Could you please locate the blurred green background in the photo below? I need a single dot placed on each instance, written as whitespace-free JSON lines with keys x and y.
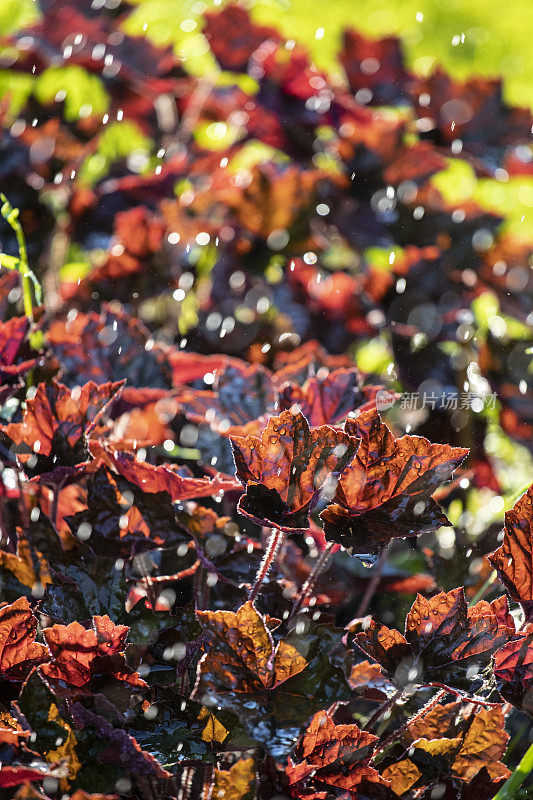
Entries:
{"x":488,"y":37}
{"x":468,"y":37}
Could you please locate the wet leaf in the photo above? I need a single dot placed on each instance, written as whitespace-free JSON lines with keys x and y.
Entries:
{"x":386,"y":490}
{"x":445,"y":642}
{"x":78,"y":654}
{"x":513,"y":558}
{"x":335,"y":755}
{"x":19,"y":650}
{"x":289,"y":470}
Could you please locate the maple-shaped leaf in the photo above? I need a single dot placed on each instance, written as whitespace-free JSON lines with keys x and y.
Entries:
{"x":139,"y":59}
{"x":249,"y":657}
{"x":289,"y":469}
{"x":78,"y":654}
{"x":469,"y":743}
{"x":513,"y":669}
{"x":474,"y":110}
{"x":108,"y":346}
{"x":272,"y":684}
{"x":176,"y":482}
{"x":445,"y":641}
{"x":514,"y":558}
{"x":483,"y":745}
{"x":386,"y":490}
{"x":335,"y":755}
{"x":19,"y":651}
{"x":305,"y":362}
{"x":84,"y":585}
{"x":482,"y":733}
{"x":239,"y":395}
{"x":55,"y":423}
{"x":326,"y":400}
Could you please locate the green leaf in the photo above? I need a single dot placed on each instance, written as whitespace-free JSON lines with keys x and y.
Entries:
{"x":85,"y":95}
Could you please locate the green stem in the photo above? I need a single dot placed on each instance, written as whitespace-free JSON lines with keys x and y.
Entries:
{"x":11,"y":216}
{"x":484,"y":589}
{"x":515,"y":781}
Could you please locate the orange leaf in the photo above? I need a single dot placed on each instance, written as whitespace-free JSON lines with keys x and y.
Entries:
{"x":19,"y":651}
{"x":514,"y":559}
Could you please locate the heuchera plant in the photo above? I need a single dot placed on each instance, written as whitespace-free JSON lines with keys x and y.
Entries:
{"x":234,"y":561}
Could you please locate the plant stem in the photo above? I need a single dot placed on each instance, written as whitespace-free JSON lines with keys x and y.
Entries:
{"x":397,"y":733}
{"x":378,"y":713}
{"x":276,"y":538}
{"x":10,"y":214}
{"x":479,"y":595}
{"x":515,"y":781}
{"x":308,"y":586}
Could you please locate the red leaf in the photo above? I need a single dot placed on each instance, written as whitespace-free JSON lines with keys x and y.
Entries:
{"x":445,"y":641}
{"x":305,"y":361}
{"x":162,"y":478}
{"x":15,"y":774}
{"x":188,"y":367}
{"x":513,"y":668}
{"x":243,"y":657}
{"x":233,"y":37}
{"x":240,"y":395}
{"x":386,"y":490}
{"x":514,"y":558}
{"x":327,"y":399}
{"x":12,"y":335}
{"x":59,"y":417}
{"x":473,"y":111}
{"x":375,"y":65}
{"x":19,"y":651}
{"x":334,"y":755}
{"x":107,"y":346}
{"x":289,"y":469}
{"x":368,"y":680}
{"x":79,"y":654}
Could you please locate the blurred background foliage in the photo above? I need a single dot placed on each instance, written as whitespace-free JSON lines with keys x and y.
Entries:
{"x":487,"y":38}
